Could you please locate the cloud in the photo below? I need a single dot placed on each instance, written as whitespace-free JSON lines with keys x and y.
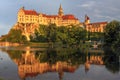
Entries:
{"x":106,"y":10}
{"x":87,"y":4}
{"x":102,"y":16}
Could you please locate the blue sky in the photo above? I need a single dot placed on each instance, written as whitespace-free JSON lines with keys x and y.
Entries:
{"x":97,"y":10}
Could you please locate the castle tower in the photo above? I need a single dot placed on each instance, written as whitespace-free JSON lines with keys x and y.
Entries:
{"x":60,"y":12}
{"x":87,"y":19}
{"x":22,"y":8}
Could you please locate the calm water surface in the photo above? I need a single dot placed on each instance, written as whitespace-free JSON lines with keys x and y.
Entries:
{"x":56,"y":64}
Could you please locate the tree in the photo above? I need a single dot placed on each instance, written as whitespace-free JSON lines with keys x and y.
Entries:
{"x":51,"y":33}
{"x":96,"y":36}
{"x":15,"y":36}
{"x":112,"y":35}
{"x":62,"y":34}
{"x":76,"y":34}
{"x":40,"y":34}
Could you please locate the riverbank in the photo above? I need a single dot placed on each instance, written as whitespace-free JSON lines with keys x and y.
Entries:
{"x":82,"y":46}
{"x":5,"y":44}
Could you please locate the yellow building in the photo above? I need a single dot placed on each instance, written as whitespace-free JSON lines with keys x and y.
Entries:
{"x":94,"y":27}
{"x":31,"y":16}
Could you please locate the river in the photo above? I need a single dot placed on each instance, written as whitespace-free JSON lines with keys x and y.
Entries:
{"x":28,"y":63}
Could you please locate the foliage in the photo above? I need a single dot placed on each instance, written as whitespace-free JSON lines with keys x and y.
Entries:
{"x":62,"y":34}
{"x":52,"y":56}
{"x":112,"y":35}
{"x":15,"y":36}
{"x":15,"y":54}
{"x":96,"y":36}
{"x":111,"y":61}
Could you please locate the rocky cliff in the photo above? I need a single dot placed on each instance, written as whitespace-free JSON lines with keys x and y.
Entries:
{"x":27,"y":29}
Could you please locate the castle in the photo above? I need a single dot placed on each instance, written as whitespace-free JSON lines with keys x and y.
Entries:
{"x":29,"y":20}
{"x":31,"y":16}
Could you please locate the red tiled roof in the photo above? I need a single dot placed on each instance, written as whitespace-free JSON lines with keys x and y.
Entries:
{"x":52,"y":16}
{"x":65,"y":17}
{"x":98,"y":23}
{"x":69,"y":16}
{"x":30,"y":12}
{"x":31,"y":74}
{"x":44,"y":15}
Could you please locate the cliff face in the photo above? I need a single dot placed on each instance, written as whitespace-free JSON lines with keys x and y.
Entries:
{"x":27,"y":29}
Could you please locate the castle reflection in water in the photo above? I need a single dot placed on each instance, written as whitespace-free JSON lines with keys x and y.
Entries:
{"x":30,"y":66}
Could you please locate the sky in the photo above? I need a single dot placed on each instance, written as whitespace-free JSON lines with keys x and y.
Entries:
{"x":97,"y":10}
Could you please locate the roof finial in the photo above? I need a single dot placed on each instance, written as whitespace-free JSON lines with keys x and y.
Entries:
{"x":60,"y":12}
{"x":86,"y":17}
{"x":60,"y":6}
{"x":23,"y":8}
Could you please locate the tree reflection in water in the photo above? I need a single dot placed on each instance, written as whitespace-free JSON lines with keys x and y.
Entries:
{"x":32,"y":63}
{"x":111,"y":61}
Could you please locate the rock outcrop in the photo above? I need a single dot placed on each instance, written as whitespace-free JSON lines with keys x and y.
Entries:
{"x":26,"y":28}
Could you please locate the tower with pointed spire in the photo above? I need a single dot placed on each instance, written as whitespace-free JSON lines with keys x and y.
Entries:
{"x":60,"y":12}
{"x":87,"y":19}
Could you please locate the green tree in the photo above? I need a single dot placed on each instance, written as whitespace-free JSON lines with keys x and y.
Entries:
{"x":112,"y":35}
{"x":76,"y":34}
{"x":51,"y":33}
{"x":96,"y":36}
{"x":40,"y":34}
{"x":62,"y":34}
{"x":15,"y":36}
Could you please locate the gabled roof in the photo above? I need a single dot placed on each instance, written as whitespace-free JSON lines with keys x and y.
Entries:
{"x":69,"y":16}
{"x":30,"y":12}
{"x":98,"y":23}
{"x":52,"y":16}
{"x":49,"y":16}
{"x":65,"y":17}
